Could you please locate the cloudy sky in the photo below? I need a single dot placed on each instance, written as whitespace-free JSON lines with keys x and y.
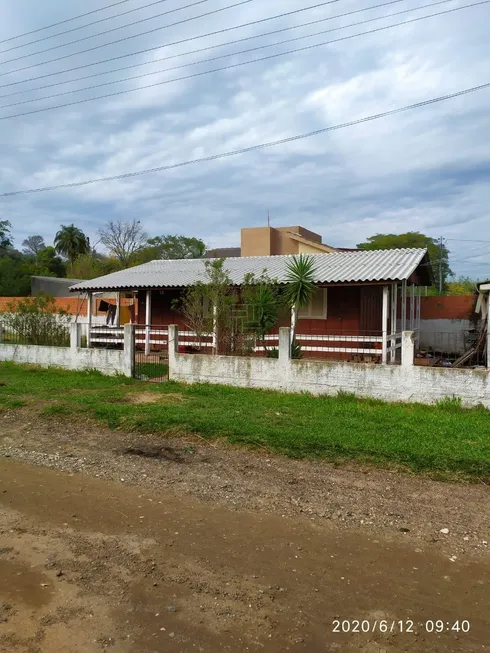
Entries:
{"x":425,"y":170}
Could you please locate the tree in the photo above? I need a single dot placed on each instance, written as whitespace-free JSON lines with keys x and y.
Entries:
{"x":300,"y":288}
{"x":48,"y":260}
{"x":263,"y":303}
{"x":70,"y":241}
{"x":5,"y":236}
{"x":177,"y":247}
{"x":414,"y":239}
{"x":123,"y":240}
{"x":207,"y":307}
{"x":33,"y":245}
{"x":461,"y":286}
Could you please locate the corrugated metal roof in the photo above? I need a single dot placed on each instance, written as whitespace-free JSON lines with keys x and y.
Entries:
{"x":338,"y":267}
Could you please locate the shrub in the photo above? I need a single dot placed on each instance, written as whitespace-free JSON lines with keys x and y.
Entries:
{"x":37,"y":321}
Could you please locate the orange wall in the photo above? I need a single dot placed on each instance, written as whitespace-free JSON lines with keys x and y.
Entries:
{"x":71,"y":305}
{"x":457,"y":307}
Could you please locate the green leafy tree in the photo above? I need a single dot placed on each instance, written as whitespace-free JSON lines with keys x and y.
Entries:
{"x":300,"y":288}
{"x":6,"y":242}
{"x":263,"y":304}
{"x":461,"y":286}
{"x":37,"y":321}
{"x":93,"y":265}
{"x":414,"y":239}
{"x":48,"y":261}
{"x":71,"y":242}
{"x":177,"y":247}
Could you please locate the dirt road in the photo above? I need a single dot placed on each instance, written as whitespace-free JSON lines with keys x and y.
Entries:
{"x":88,"y":565}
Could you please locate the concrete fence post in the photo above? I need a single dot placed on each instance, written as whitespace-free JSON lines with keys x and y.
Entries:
{"x":75,"y":335}
{"x":408,"y":348}
{"x":173,"y":347}
{"x":128,"y":362}
{"x":284,"y":345}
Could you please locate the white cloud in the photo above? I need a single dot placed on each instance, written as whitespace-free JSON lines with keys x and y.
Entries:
{"x":426,"y":170}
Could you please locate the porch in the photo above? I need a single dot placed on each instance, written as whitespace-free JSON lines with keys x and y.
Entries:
{"x":345,"y":322}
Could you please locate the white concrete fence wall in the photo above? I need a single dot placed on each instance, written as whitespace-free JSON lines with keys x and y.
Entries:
{"x":405,"y":382}
{"x":75,"y":357}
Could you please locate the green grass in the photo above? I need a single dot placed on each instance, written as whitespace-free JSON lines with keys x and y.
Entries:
{"x":446,"y":440}
{"x":151,"y":370}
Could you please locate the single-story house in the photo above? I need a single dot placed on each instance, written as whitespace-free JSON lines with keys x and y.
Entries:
{"x":354,"y":310}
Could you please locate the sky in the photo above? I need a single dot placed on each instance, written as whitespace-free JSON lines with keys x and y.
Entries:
{"x":424,"y":170}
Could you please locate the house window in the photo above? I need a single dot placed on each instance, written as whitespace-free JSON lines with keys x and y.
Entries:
{"x":317,"y":308}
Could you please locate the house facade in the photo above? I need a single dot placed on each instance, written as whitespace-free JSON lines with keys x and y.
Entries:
{"x":353,"y":314}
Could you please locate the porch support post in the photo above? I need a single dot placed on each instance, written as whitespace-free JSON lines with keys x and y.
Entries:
{"x":89,"y":319}
{"x":394,"y":300}
{"x":487,"y":296}
{"x":147,"y":322}
{"x":118,"y":309}
{"x":384,"y":323}
{"x":215,"y":329}
{"x":412,"y":307}
{"x":404,"y":305}
{"x":419,"y":300}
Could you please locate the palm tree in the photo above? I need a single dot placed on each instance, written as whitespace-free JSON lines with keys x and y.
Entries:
{"x":300,"y":279}
{"x":71,"y":242}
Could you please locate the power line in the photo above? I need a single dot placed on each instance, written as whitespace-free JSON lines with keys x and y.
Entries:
{"x":142,"y":20}
{"x":214,"y":70}
{"x":253,"y":148}
{"x":166,"y":45}
{"x":126,"y":38}
{"x":79,"y":27}
{"x":67,"y":20}
{"x":220,"y":45}
{"x":466,"y":240}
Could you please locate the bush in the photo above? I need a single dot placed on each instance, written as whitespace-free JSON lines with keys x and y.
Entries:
{"x":36,"y":321}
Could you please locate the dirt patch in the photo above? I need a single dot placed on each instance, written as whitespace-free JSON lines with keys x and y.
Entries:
{"x":96,"y":565}
{"x":154,"y":398}
{"x":353,"y":498}
{"x":162,"y":453}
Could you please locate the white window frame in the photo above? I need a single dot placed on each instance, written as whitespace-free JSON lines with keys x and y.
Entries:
{"x":305,"y":313}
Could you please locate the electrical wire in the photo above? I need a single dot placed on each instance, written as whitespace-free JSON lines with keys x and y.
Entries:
{"x":466,"y":240}
{"x":214,"y":70}
{"x":142,"y":20}
{"x":126,"y":38}
{"x":186,"y":40}
{"x":247,"y":38}
{"x":254,"y":148}
{"x":63,"y":22}
{"x":75,"y":29}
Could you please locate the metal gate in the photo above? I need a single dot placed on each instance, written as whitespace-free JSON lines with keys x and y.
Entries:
{"x":150,"y":347}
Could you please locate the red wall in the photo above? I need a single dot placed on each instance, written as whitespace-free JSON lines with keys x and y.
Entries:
{"x":457,"y":307}
{"x":343,"y":311}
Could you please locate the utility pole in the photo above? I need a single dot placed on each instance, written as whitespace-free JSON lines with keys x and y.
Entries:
{"x":268,"y":218}
{"x":441,"y":249}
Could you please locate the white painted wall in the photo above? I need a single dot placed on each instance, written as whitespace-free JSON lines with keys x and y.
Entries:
{"x":107,"y":361}
{"x":404,"y":382}
{"x":447,"y":335}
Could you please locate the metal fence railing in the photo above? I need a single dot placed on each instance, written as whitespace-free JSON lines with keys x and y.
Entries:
{"x":351,"y":346}
{"x":26,"y":331}
{"x":446,"y":348}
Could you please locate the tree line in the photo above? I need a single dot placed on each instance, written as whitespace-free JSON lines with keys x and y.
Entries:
{"x":127,"y":244}
{"x":72,"y":255}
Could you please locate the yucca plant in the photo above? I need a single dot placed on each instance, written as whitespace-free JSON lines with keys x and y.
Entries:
{"x":300,"y":288}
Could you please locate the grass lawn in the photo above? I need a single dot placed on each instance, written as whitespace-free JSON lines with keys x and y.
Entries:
{"x":445,"y":440}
